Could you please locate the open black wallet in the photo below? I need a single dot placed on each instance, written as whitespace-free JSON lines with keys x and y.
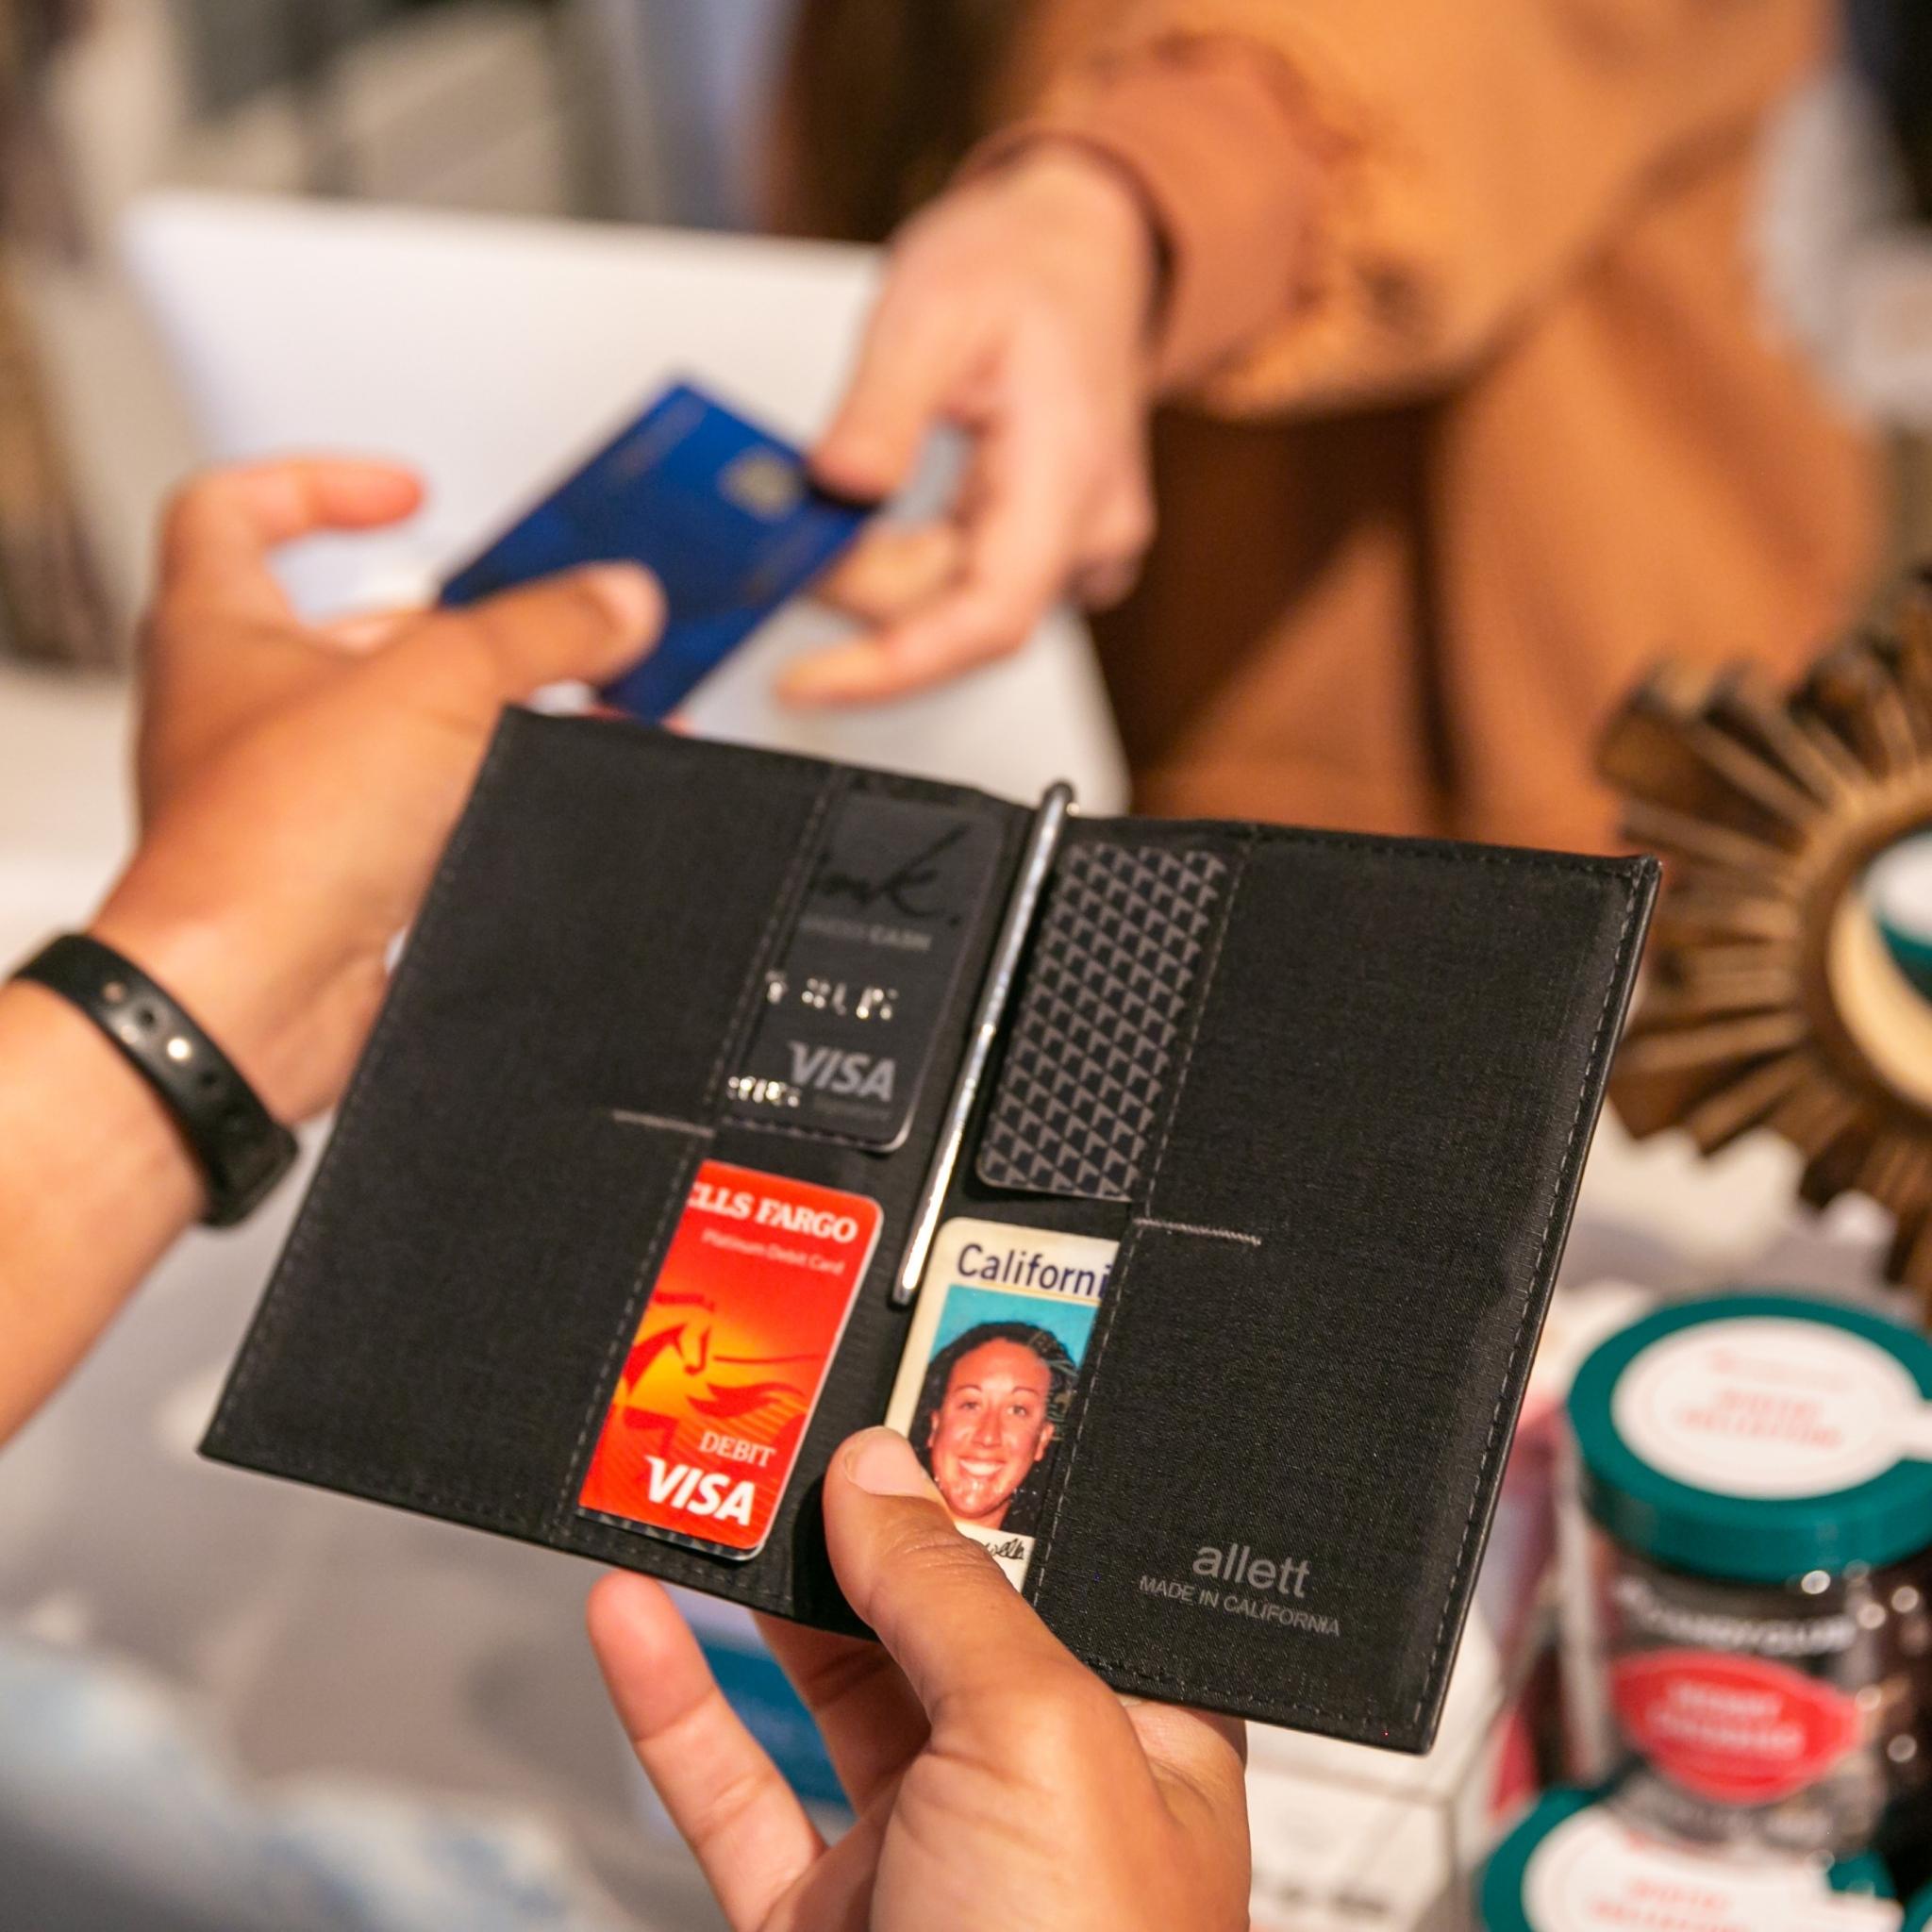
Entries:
{"x":1330,"y":1094}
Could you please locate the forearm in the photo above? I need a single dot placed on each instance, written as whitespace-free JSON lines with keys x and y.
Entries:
{"x":1435,"y":168}
{"x":94,"y":1185}
{"x":96,"y":1181}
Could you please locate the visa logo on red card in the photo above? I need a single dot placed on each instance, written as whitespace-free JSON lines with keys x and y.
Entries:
{"x":729,"y":1356}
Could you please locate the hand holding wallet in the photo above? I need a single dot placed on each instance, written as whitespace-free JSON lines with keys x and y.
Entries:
{"x":1241,"y":1265}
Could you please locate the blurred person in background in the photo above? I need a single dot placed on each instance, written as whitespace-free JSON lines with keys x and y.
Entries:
{"x":1410,"y":353}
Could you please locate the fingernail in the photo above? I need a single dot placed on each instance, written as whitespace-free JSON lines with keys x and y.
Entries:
{"x":825,"y":679}
{"x":881,"y":1462}
{"x":627,"y":593}
{"x":808,"y":690}
{"x":853,"y":463}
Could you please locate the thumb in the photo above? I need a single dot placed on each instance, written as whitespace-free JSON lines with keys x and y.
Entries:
{"x":912,"y":357}
{"x":586,"y":624}
{"x":963,"y":1635}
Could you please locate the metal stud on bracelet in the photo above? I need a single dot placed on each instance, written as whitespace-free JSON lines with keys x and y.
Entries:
{"x":240,"y":1148}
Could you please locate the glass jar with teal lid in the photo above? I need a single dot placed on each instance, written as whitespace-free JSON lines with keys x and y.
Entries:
{"x":1758,"y":1469}
{"x":1577,"y":1864}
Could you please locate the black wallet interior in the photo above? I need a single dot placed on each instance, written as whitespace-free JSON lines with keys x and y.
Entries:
{"x":1330,"y":1093}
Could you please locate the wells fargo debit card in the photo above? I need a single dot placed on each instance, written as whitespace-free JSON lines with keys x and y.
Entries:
{"x":730,"y":1354}
{"x":852,"y":1009}
{"x":721,"y":511}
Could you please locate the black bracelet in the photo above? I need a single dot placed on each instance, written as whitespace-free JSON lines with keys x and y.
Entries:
{"x":242,"y":1149}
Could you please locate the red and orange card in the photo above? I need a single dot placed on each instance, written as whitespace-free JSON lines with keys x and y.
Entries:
{"x":729,"y":1357}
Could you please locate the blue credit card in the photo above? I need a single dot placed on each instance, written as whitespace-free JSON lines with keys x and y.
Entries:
{"x":721,"y":511}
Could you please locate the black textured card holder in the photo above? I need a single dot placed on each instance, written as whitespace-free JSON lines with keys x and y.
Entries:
{"x":1093,"y":1044}
{"x":1331,"y":1095}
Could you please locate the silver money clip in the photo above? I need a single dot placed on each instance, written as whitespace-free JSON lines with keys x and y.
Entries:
{"x":1036,"y":864}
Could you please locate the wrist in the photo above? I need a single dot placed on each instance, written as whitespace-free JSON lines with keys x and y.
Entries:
{"x":1098,"y":200}
{"x":1232,"y":171}
{"x":256,"y":1007}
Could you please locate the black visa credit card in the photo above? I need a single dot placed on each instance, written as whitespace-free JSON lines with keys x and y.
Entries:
{"x":845,"y":1036}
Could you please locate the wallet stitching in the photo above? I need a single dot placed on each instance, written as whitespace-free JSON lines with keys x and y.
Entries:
{"x":660,"y":1122}
{"x":1442,"y":852}
{"x":782,"y":908}
{"x":615,"y":1534}
{"x":644,"y":1277}
{"x":1345,"y":1725}
{"x":650,"y":1259}
{"x":1536,"y":1271}
{"x":1181,"y":1686}
{"x":1204,"y":1233}
{"x":1130,"y":1246}
{"x":434,"y":906}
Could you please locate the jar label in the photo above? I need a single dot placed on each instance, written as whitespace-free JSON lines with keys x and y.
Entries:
{"x":1734,"y":1729}
{"x":1770,"y":1405}
{"x":1593,"y":1873}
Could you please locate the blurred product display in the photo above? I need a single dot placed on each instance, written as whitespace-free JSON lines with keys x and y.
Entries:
{"x":1346,"y":1838}
{"x":1758,"y":1588}
{"x":1575,"y":1865}
{"x":1773,"y":999}
{"x":1748,"y":1533}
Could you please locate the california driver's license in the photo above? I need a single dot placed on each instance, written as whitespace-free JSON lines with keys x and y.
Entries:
{"x":994,"y":1351}
{"x":729,"y":1356}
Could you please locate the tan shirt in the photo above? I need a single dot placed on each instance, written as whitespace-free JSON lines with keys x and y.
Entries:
{"x":1499,"y":422}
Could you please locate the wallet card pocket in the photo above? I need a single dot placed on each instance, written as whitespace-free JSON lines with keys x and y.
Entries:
{"x":1092,"y":1051}
{"x":440,"y":1364}
{"x":850,"y":1010}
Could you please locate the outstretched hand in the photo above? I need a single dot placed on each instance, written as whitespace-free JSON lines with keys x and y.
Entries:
{"x":297,"y":780}
{"x":1018,"y":309}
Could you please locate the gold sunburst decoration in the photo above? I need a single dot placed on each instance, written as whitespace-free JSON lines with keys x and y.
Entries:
{"x":1773,"y":999}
